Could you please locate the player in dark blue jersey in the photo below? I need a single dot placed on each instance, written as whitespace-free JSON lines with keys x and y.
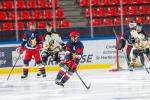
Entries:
{"x":32,"y":43}
{"x":74,"y":51}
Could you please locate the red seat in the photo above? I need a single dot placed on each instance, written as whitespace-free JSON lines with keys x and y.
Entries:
{"x":88,"y":12}
{"x":111,"y":11}
{"x":115,"y":2}
{"x":146,"y":1}
{"x":126,"y":2}
{"x":132,"y":10}
{"x":25,"y":15}
{"x":8,"y":4}
{"x":1,"y":6}
{"x":20,"y":26}
{"x":124,"y":11}
{"x":100,"y":12}
{"x":65,"y":24}
{"x":48,"y":14}
{"x":107,"y":22}
{"x":137,"y":1}
{"x":147,"y":20}
{"x":143,"y":10}
{"x":31,"y":4}
{"x":56,"y":23}
{"x":42,"y":4}
{"x":128,"y":20}
{"x":96,"y":22}
{"x":117,"y":21}
{"x":60,"y":14}
{"x":3,"y":16}
{"x":12,"y":15}
{"x":7,"y":26}
{"x":20,"y":4}
{"x":140,"y":20}
{"x":95,"y":3}
{"x":42,"y":25}
{"x":56,"y":4}
{"x":37,"y":14}
{"x":105,"y":2}
{"x":84,"y":3}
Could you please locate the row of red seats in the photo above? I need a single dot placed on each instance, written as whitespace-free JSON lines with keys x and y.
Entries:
{"x":33,"y":14}
{"x":115,"y":11}
{"x":40,"y":25}
{"x":21,"y":4}
{"x":117,"y":21}
{"x":111,"y":2}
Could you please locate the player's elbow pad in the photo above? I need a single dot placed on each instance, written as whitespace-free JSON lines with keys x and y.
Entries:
{"x":121,"y":44}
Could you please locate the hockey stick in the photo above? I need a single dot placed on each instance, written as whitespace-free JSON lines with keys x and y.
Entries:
{"x":145,"y":66}
{"x":87,"y":87}
{"x":13,"y":66}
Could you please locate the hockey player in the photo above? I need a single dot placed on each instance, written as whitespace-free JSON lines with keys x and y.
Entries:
{"x":141,"y":46}
{"x":74,"y":51}
{"x":32,"y":43}
{"x":52,"y":45}
{"x":128,"y":36}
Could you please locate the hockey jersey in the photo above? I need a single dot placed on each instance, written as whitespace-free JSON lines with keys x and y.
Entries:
{"x":32,"y":39}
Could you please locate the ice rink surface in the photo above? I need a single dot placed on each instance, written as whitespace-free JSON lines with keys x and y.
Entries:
{"x":122,"y":85}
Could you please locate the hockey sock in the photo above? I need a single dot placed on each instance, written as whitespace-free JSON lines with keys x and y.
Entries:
{"x":60,"y":75}
{"x":65,"y":78}
{"x":42,"y":70}
{"x":25,"y":71}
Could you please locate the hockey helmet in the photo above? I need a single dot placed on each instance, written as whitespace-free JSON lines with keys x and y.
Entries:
{"x":132,"y":24}
{"x":74,"y":34}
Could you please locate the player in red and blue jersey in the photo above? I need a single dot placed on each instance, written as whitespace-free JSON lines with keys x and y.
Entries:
{"x":32,"y":43}
{"x":74,"y":51}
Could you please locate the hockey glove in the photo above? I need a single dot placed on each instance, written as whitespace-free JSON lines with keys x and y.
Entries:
{"x":121,"y":44}
{"x":21,"y":49}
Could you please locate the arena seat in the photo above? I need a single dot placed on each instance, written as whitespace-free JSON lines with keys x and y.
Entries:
{"x":9,"y":4}
{"x":96,"y":22}
{"x":42,"y":4}
{"x":124,"y":11}
{"x":105,"y":2}
{"x":84,"y":3}
{"x":95,"y":2}
{"x":7,"y":26}
{"x":128,"y":20}
{"x":100,"y":12}
{"x":147,"y":20}
{"x":115,"y":2}
{"x":21,"y":26}
{"x":60,"y":13}
{"x":132,"y":10}
{"x":3,"y":16}
{"x":48,"y":14}
{"x":20,"y":4}
{"x":65,"y":24}
{"x":107,"y":22}
{"x":137,"y":1}
{"x":1,"y":5}
{"x":88,"y":12}
{"x":57,"y":24}
{"x":143,"y":10}
{"x":31,"y":4}
{"x":51,"y":4}
{"x":37,"y":14}
{"x":41,"y":25}
{"x":12,"y":15}
{"x":25,"y":15}
{"x":140,"y":20}
{"x":117,"y":21}
{"x":111,"y":11}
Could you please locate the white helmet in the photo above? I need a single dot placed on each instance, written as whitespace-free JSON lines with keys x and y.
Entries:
{"x":132,"y":24}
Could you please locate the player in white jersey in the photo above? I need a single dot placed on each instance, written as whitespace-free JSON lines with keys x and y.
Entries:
{"x":52,"y":45}
{"x":141,"y":45}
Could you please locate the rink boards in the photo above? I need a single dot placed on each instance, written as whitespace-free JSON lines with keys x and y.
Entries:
{"x":98,"y":54}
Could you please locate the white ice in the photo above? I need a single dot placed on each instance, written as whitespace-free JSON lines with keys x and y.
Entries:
{"x":122,"y":85}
